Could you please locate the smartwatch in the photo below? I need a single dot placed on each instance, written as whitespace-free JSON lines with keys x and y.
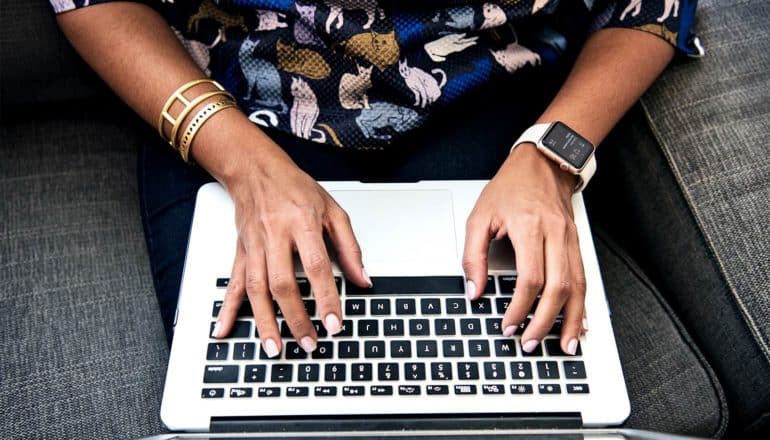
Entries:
{"x":561,"y":144}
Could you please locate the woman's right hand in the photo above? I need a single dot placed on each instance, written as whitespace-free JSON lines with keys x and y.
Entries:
{"x":280,"y":210}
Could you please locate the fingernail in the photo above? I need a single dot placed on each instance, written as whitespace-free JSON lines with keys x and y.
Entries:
{"x":271,"y":348}
{"x":217,"y":329}
{"x":531,"y":345}
{"x":572,"y":347}
{"x":366,"y":277}
{"x":470,"y":290}
{"x":585,"y":325}
{"x":509,"y":331}
{"x":308,"y":344}
{"x":332,"y":324}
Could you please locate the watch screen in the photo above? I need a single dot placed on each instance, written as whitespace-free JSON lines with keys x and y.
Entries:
{"x":568,"y":145}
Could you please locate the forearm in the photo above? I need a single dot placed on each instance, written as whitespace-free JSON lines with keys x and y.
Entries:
{"x":614,"y":69}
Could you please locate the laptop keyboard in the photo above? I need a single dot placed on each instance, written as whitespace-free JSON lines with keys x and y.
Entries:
{"x":406,"y":336}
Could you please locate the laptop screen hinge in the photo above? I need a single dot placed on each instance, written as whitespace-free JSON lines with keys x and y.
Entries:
{"x":394,"y":422}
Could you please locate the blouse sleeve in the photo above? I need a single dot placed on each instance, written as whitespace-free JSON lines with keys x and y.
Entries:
{"x":60,"y":6}
{"x":671,"y":20}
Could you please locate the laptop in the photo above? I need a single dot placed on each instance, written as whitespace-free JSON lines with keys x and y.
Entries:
{"x":415,"y":355}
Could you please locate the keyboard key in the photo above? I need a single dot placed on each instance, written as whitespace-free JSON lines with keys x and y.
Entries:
{"x":393,"y":327}
{"x":547,"y":370}
{"x":405,"y":307}
{"x":556,"y":328}
{"x":216,"y":309}
{"x":521,"y":389}
{"x":507,"y":283}
{"x":297,"y":391}
{"x":441,"y":371}
{"x":374,"y":349}
{"x":470,"y":326}
{"x":355,"y":307}
{"x":574,"y":370}
{"x":223,"y":282}
{"x":440,"y":390}
{"x":381,"y":390}
{"x":419,"y":327}
{"x":467,"y":370}
{"x":368,"y":327}
{"x":338,"y":282}
{"x":537,"y":352}
{"x":577,"y":388}
{"x":409,"y":390}
{"x":325,"y":391}
{"x":452,"y":348}
{"x":324,"y":350}
{"x":241,"y":329}
{"x":285,"y":330}
{"x":502,"y":304}
{"x":281,"y":372}
{"x":353,"y":391}
{"x":400,"y":349}
{"x":361,"y":372}
{"x":534,"y":305}
{"x":254,"y":373}
{"x":307,"y":372}
{"x":494,"y":326}
{"x":427,"y":349}
{"x":244,"y":351}
{"x":430,"y":306}
{"x":505,"y":347}
{"x":294,"y":351}
{"x":478,"y":348}
{"x":212,"y":393}
{"x":455,"y":306}
{"x":334,"y":373}
{"x":220,"y":374}
{"x":521,"y":370}
{"x":380,"y":307}
{"x":490,"y":287}
{"x":414,"y":371}
{"x":549,"y":388}
{"x":239,"y":393}
{"x":493,"y":389}
{"x":445,"y":327}
{"x":304,"y":286}
{"x":387,"y":371}
{"x":481,"y":306}
{"x":263,"y":355}
{"x":494,"y":370}
{"x":465,"y":389}
{"x":217,"y":351}
{"x":347,"y":328}
{"x":347,"y":349}
{"x":310,"y":307}
{"x":429,"y":285}
{"x":553,"y":348}
{"x":319,"y":328}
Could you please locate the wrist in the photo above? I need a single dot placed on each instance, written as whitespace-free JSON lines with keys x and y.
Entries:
{"x":529,"y":156}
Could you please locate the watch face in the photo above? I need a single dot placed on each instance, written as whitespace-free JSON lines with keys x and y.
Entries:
{"x":568,"y":145}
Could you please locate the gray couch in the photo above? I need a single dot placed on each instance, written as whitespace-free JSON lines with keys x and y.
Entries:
{"x":83,"y":351}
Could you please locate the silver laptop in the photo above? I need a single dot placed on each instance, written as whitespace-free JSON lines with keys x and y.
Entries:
{"x":414,"y":353}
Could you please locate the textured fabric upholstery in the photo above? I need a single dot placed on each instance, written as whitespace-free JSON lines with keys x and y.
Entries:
{"x":83,"y":352}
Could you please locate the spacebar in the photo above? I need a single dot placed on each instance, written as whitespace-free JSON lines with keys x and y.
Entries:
{"x":438,"y":285}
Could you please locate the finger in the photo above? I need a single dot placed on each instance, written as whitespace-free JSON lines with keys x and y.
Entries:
{"x":574,"y":309}
{"x":260,"y":300}
{"x":283,"y":287}
{"x":318,"y":268}
{"x":233,"y":296}
{"x":558,"y":287}
{"x":527,"y":241}
{"x":475,"y":254}
{"x":347,"y":248}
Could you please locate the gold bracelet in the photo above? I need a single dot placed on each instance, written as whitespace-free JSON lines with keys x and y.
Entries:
{"x":192,"y":128}
{"x":184,"y":113}
{"x":178,"y":95}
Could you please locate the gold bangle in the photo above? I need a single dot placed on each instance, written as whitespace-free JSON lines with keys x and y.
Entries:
{"x":178,"y":95}
{"x":184,"y":113}
{"x":192,"y":128}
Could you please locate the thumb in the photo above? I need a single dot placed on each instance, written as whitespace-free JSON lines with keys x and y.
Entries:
{"x":475,"y":257}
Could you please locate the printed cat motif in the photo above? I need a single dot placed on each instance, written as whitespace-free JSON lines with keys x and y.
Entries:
{"x":494,"y":16}
{"x":379,"y":49}
{"x":661,"y":31}
{"x":425,"y":87}
{"x":270,"y":20}
{"x":304,"y":111}
{"x":438,"y":50}
{"x":376,"y":121}
{"x":460,"y":18}
{"x":515,"y":56}
{"x":305,"y":62}
{"x":353,"y":88}
{"x":671,"y":6}
{"x":263,"y":80}
{"x":63,"y":5}
{"x":304,"y":26}
{"x":634,"y":8}
{"x":337,"y":7}
{"x":225,"y":20}
{"x":538,"y":5}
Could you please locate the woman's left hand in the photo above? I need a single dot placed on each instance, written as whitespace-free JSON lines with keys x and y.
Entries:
{"x":529,"y":200}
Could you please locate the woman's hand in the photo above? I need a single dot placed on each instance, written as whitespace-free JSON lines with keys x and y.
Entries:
{"x":529,"y":201}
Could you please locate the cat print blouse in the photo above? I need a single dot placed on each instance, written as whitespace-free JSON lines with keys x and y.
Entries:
{"x":357,"y":73}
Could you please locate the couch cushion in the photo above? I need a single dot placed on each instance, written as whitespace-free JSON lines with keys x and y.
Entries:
{"x":83,"y":351}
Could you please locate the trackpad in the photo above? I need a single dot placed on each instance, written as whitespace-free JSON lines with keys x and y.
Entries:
{"x":406,"y":227}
